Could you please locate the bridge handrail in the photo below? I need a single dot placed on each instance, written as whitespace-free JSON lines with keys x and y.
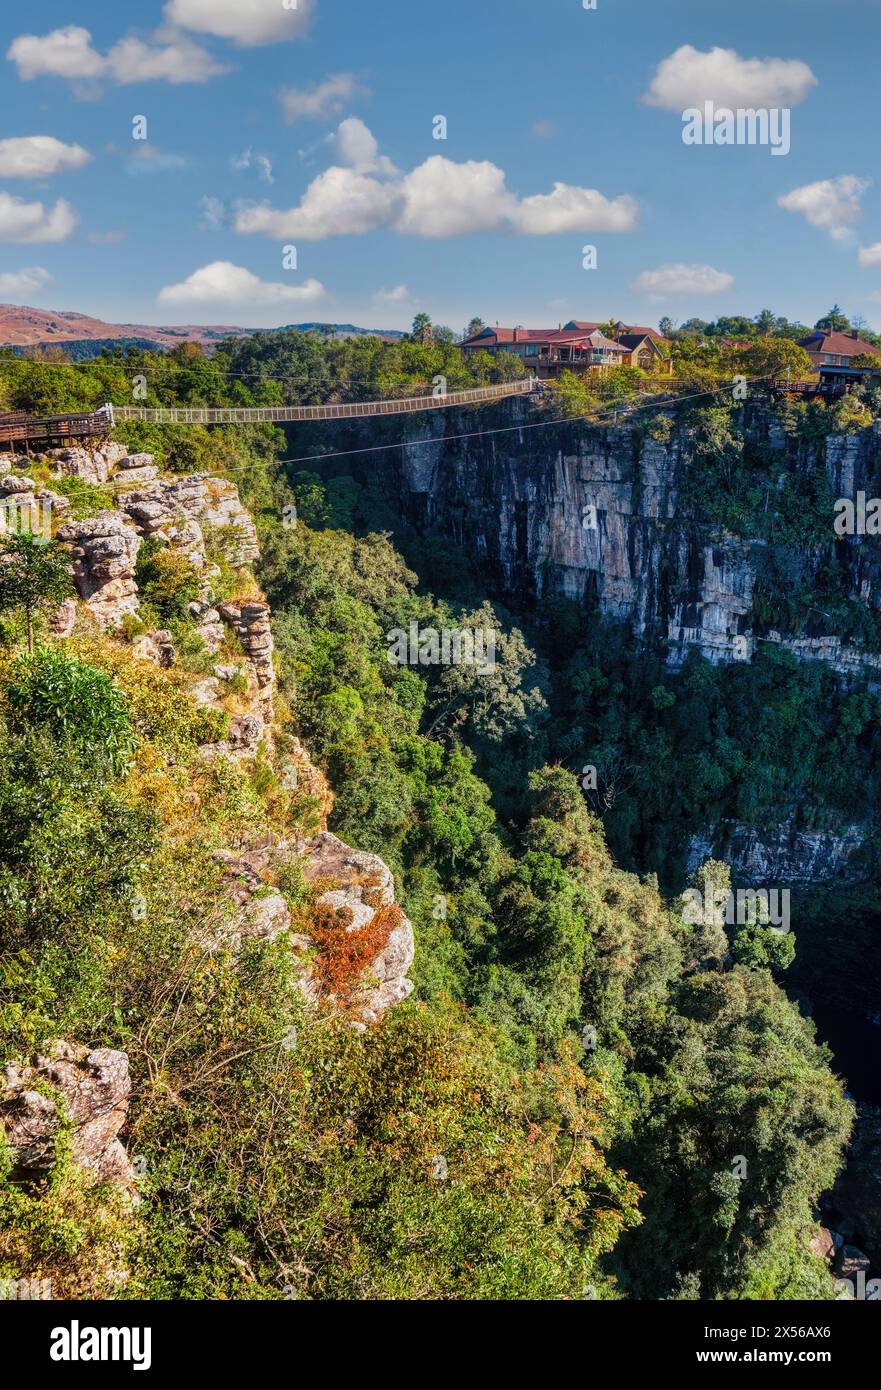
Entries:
{"x":244,"y":415}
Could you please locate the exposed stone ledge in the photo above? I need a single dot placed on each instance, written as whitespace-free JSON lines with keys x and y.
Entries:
{"x":95,"y":1087}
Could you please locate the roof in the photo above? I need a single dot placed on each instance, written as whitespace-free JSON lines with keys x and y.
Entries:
{"x":632,"y":340}
{"x":842,"y":344}
{"x":557,"y":336}
{"x":506,"y":335}
{"x":631,"y":328}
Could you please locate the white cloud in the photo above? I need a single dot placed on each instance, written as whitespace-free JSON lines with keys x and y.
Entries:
{"x":176,"y":60}
{"x":34,"y":222}
{"x":38,"y":156}
{"x":340,"y":202}
{"x":832,"y":204}
{"x":19,"y":283}
{"x":570,"y":209}
{"x":439,"y":198}
{"x":689,"y":77}
{"x":323,"y":99}
{"x":249,"y":159}
{"x":248,"y":22}
{"x":68,"y":53}
{"x":147,"y":159}
{"x":65,"y":52}
{"x":213,"y":214}
{"x":682,"y":279}
{"x":222,"y":283}
{"x":870,"y":255}
{"x":444,"y":199}
{"x":399,"y":295}
{"x":355,"y":145}
{"x":105,"y":238}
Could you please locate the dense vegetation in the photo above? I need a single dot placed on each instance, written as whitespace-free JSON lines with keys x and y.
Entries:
{"x":626,"y":1102}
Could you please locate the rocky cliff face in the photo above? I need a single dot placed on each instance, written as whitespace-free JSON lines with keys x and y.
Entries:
{"x":600,"y":515}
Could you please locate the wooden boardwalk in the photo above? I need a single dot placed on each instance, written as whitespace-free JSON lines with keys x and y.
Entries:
{"x":54,"y":429}
{"x":292,"y":414}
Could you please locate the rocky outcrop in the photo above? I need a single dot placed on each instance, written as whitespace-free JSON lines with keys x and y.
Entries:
{"x":366,"y":885}
{"x":92,"y":465}
{"x":785,"y":854}
{"x":89,"y":1089}
{"x":25,"y":506}
{"x":179,"y":508}
{"x":360,"y":885}
{"x":251,"y":624}
{"x":104,"y":550}
{"x":157,"y":647}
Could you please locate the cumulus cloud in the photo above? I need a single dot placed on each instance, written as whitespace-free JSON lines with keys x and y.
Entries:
{"x":20,"y":283}
{"x":340,"y":202}
{"x":34,"y":222}
{"x":870,"y":255}
{"x":355,"y":145}
{"x":399,"y":295}
{"x":689,"y":77}
{"x":38,"y":156}
{"x":443,"y":199}
{"x":570,"y":209}
{"x":177,"y":60}
{"x":222,"y":283}
{"x":320,"y":100}
{"x":439,"y":198}
{"x":248,"y":22}
{"x":831,"y":204}
{"x":682,"y":279}
{"x":68,"y":53}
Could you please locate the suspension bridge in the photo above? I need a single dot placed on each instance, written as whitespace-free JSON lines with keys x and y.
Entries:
{"x":25,"y":429}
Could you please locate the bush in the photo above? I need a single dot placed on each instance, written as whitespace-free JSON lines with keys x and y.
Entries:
{"x":75,"y":704}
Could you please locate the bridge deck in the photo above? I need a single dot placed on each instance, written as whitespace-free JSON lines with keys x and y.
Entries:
{"x":291,"y":414}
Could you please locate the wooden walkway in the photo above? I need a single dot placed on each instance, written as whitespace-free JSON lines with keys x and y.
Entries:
{"x":54,"y":429}
{"x":291,"y":414}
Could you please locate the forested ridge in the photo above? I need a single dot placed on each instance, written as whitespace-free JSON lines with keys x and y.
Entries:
{"x":587,"y":1094}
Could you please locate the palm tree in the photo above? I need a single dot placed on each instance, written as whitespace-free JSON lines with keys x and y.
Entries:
{"x":422,"y":330}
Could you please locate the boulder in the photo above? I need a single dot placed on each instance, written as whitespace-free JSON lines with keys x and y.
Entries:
{"x":157,"y":647}
{"x":94,"y":1085}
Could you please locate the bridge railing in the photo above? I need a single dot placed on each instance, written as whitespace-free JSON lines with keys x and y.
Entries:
{"x":289,"y":414}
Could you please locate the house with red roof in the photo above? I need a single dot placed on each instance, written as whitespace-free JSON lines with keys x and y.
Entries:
{"x":836,"y":349}
{"x":576,"y":346}
{"x":832,"y":355}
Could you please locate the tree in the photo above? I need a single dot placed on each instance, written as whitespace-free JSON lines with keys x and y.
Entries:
{"x":835,"y":321}
{"x":667,"y":327}
{"x":765,"y":322}
{"x":33,"y":573}
{"x":775,"y":356}
{"x":488,"y":691}
{"x":422,"y":329}
{"x":476,"y":326}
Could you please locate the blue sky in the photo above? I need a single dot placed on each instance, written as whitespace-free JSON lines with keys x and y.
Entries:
{"x":312,"y":126}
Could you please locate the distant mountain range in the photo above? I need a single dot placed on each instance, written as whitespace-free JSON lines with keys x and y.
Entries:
{"x":22,"y":327}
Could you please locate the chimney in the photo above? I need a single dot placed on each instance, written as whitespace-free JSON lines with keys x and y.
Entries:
{"x":516,"y":331}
